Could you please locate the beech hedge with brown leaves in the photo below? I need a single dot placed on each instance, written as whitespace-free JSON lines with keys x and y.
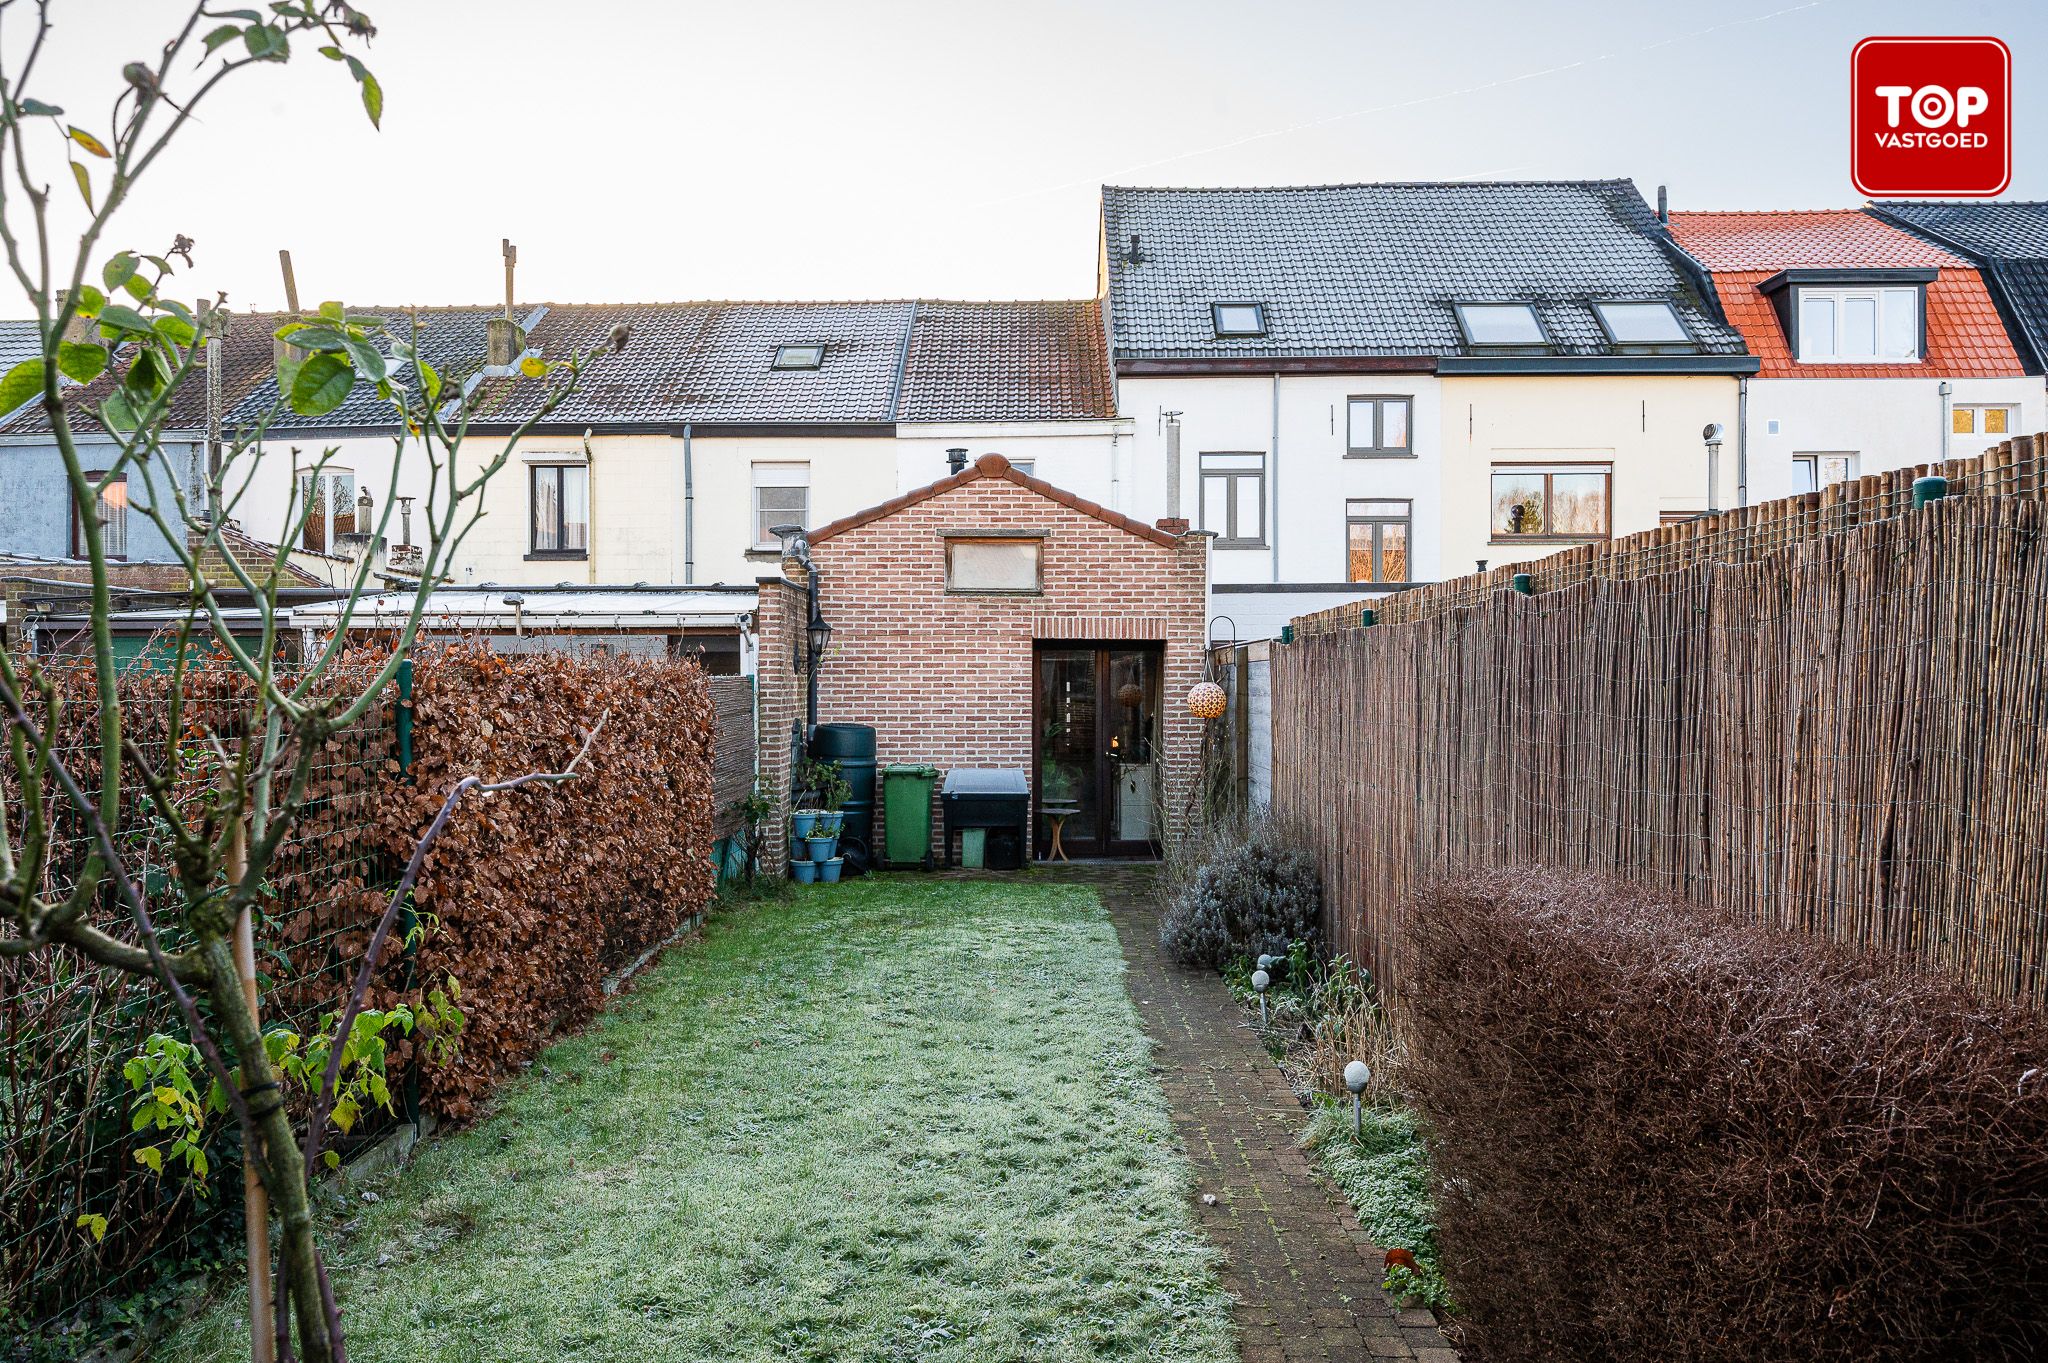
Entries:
{"x":532,"y":896}
{"x":1661,"y":1135}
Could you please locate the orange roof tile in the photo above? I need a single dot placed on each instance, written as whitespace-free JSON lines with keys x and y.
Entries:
{"x":1965,"y":336}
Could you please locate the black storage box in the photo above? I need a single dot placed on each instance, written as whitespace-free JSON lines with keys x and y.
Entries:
{"x":995,"y":798}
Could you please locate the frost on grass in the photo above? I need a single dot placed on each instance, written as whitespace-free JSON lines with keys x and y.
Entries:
{"x":1384,"y":1171}
{"x":895,"y":1120}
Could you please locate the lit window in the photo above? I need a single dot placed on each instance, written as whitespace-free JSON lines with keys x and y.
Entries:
{"x":799,"y":356}
{"x":993,"y":565}
{"x":112,"y":506}
{"x":1501,"y":324}
{"x":1379,"y":425}
{"x":782,"y":496}
{"x":1239,"y":319}
{"x":561,"y":509}
{"x":1981,"y":420}
{"x":1562,"y":501}
{"x":1642,"y":323}
{"x":328,"y":499}
{"x":1233,"y":499}
{"x":1859,"y":326}
{"x":1376,"y":541}
{"x":1812,"y":472}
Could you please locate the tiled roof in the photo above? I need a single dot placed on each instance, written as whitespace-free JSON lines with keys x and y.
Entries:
{"x":1965,"y":337}
{"x":1007,"y":362}
{"x":18,"y":341}
{"x":1828,"y":239}
{"x":993,"y":466}
{"x":710,"y":363}
{"x":2015,"y":230}
{"x":245,"y":363}
{"x":2010,"y":240}
{"x":1362,"y":270}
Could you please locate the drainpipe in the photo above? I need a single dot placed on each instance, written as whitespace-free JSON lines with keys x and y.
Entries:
{"x":689,"y":511}
{"x":1742,"y":441}
{"x":1273,"y":529}
{"x":1173,"y":465}
{"x":1116,"y":482}
{"x":1947,"y":417}
{"x":589,"y":510}
{"x":811,"y":576}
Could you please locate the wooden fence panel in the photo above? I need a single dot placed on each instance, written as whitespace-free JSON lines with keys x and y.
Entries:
{"x":1834,"y":724}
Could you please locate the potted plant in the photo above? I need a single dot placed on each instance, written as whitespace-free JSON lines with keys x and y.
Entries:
{"x":817,"y":820}
{"x":828,"y":870}
{"x":820,"y":843}
{"x":804,"y":871}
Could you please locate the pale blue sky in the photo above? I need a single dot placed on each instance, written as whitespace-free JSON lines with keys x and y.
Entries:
{"x":643,"y":149}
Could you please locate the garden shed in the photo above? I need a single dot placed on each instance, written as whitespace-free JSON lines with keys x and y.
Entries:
{"x":993,"y":620}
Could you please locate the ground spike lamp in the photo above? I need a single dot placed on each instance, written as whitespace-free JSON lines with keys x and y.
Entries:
{"x":1356,"y":1076}
{"x":1262,"y":981}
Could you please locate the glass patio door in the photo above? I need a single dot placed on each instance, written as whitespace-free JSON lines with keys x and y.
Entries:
{"x":1098,"y":777}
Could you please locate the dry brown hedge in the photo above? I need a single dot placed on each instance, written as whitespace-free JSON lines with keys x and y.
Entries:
{"x":1661,"y":1136}
{"x":539,"y":892}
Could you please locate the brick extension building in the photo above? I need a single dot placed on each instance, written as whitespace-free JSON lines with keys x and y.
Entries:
{"x":991,"y":619}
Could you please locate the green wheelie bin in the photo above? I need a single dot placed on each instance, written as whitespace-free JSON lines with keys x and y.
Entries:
{"x":907,"y":815}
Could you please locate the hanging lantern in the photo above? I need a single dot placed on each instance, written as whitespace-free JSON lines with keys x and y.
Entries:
{"x":1130,"y":695}
{"x":1206,"y":700}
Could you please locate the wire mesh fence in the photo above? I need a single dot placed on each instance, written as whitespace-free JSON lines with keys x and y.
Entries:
{"x":67,"y":1027}
{"x":1825,"y":714}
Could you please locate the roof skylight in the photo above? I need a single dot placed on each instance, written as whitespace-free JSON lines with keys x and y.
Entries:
{"x":1501,"y":324}
{"x":807,"y":356}
{"x":1642,"y":324}
{"x":1238,"y":319}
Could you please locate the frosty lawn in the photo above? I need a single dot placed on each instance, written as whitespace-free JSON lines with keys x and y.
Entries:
{"x":899,"y":1119}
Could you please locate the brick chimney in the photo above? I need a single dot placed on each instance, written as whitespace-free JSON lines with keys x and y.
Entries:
{"x":505,"y":339}
{"x":1173,"y":525}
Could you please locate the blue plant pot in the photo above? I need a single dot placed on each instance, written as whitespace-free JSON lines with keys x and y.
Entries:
{"x":821,"y":848}
{"x":828,"y":871}
{"x":801,"y":823}
{"x":805,"y":871}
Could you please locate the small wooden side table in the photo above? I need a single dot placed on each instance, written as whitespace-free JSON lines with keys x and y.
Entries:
{"x":1057,"y":816}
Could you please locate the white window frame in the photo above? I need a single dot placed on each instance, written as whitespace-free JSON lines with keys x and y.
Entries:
{"x":1884,"y":300}
{"x":1812,"y":459}
{"x":324,"y":474}
{"x":779,"y":474}
{"x":1975,"y":409}
{"x":970,"y":542}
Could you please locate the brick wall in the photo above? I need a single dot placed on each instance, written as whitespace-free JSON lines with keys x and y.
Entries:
{"x":778,"y":704}
{"x":948,"y":679}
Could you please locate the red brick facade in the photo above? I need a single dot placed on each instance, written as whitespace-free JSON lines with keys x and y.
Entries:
{"x":948,"y":678}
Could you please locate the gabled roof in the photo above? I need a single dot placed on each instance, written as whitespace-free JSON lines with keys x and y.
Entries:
{"x":18,"y":341}
{"x":710,"y":364}
{"x":2010,"y":241}
{"x":1965,"y":336}
{"x":245,"y":362}
{"x":1374,"y":269}
{"x":993,"y":466}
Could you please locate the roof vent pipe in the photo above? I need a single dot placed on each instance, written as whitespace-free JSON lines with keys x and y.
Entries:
{"x":1134,"y":256}
{"x":1663,"y":206}
{"x":956,"y":459}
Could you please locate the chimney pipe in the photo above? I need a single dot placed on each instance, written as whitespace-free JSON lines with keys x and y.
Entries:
{"x":1134,"y":255}
{"x":503,"y":338}
{"x":956,"y":460}
{"x":1173,"y":465}
{"x":1663,"y":206}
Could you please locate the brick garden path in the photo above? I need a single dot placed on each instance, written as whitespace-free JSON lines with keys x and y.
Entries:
{"x":1305,"y":1276}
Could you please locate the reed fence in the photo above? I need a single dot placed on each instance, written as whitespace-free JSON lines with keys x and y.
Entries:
{"x":1825,"y":713}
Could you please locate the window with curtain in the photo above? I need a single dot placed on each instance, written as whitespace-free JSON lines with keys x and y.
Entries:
{"x":782,"y":496}
{"x":112,"y":507}
{"x":561,"y":509}
{"x":328,"y":497}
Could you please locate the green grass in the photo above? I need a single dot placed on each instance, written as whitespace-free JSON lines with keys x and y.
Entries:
{"x":1384,"y":1171}
{"x":890,"y":1120}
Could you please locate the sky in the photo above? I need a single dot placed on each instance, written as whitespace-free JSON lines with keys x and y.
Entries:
{"x":661,"y":150}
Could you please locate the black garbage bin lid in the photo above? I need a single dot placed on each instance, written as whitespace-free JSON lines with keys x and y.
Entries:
{"x":985,"y":781}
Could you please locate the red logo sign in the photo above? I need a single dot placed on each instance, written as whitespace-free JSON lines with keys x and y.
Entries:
{"x":1930,"y":117}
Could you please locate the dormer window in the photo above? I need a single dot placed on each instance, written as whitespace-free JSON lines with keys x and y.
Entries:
{"x":1858,"y":326}
{"x":1642,"y":324}
{"x":1501,"y":324}
{"x":808,"y":356}
{"x":1238,"y":319}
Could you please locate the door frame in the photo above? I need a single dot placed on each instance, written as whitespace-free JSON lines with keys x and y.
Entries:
{"x":1105,"y":780}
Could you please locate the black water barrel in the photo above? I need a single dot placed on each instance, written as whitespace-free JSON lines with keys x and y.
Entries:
{"x":852,"y":746}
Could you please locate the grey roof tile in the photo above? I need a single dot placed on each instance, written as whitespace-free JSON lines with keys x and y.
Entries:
{"x":2010,"y":240}
{"x":18,"y":341}
{"x":1374,"y":269}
